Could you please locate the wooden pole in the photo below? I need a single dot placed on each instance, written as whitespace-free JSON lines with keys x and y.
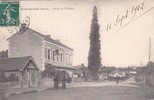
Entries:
{"x":149,"y":49}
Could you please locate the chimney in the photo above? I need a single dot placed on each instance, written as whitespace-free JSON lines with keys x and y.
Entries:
{"x":23,"y":27}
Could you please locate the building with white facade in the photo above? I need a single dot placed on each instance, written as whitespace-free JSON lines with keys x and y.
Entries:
{"x":42,"y":48}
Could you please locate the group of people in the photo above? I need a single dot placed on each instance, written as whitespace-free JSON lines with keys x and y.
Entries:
{"x":60,"y":78}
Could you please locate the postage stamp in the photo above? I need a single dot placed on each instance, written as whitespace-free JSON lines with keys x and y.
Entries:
{"x":9,"y":14}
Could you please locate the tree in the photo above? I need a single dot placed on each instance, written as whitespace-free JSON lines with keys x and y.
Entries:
{"x":94,"y":59}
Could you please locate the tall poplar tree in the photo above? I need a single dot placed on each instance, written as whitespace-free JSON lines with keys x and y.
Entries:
{"x":94,"y":58}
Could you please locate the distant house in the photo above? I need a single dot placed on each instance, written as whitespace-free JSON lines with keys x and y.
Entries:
{"x":20,"y":70}
{"x":81,"y":70}
{"x":42,"y":48}
{"x":105,"y":72}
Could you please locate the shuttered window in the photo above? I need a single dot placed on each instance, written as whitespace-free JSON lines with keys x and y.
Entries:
{"x":46,"y":53}
{"x":49,"y":53}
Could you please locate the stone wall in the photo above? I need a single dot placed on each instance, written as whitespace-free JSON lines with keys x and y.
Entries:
{"x":26,"y":44}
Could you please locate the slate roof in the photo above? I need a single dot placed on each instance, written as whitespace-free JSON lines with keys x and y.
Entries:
{"x":11,"y":64}
{"x":49,"y":39}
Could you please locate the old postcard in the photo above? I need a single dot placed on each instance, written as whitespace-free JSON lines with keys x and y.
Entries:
{"x":76,"y":49}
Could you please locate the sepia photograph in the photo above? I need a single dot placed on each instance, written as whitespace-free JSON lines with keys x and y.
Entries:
{"x":76,"y":50}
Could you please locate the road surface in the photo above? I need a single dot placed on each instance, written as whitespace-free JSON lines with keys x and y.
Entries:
{"x":110,"y":92}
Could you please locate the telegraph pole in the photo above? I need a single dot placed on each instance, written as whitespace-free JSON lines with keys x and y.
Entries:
{"x":149,"y":49}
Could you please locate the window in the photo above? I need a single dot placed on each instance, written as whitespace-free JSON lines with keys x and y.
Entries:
{"x":53,"y":55}
{"x":57,"y":58}
{"x":66,"y":59}
{"x":61,"y":57}
{"x":69,"y":59}
{"x":48,"y":53}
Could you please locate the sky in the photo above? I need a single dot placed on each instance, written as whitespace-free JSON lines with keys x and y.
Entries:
{"x":69,"y":21}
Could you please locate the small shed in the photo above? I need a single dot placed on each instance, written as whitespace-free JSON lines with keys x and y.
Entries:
{"x":21,"y":71}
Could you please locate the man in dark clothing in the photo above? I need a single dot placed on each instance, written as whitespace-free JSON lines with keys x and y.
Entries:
{"x":56,"y":81}
{"x":117,"y":79}
{"x":64,"y":80}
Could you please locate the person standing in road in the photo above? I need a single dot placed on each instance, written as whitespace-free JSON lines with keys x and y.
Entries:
{"x":56,"y":81}
{"x":64,"y":80}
